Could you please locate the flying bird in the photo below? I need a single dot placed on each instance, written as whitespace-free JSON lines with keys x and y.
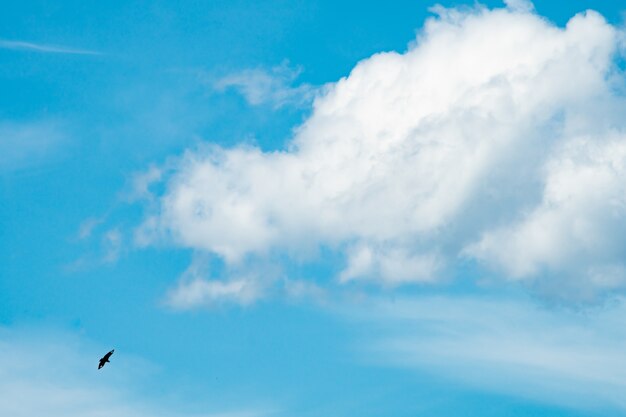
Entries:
{"x":105,"y":359}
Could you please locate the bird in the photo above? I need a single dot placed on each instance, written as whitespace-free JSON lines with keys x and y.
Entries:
{"x":105,"y":359}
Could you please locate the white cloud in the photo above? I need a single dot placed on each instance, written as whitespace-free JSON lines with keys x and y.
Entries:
{"x":509,"y":346}
{"x":461,"y":146}
{"x":201,"y":292}
{"x":38,"y":47}
{"x":274,"y":87}
{"x":578,"y":229}
{"x":197,"y":289}
{"x":393,"y":265}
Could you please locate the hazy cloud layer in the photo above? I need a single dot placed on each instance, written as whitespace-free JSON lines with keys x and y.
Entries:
{"x":496,"y":137}
{"x":510,"y":346}
{"x":57,"y":376}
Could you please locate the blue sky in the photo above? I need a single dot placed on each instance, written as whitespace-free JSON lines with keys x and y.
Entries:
{"x":312,"y":208}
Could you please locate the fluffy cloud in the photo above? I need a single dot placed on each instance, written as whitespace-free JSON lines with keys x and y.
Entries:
{"x":199,"y":286}
{"x":496,"y":136}
{"x":578,"y":228}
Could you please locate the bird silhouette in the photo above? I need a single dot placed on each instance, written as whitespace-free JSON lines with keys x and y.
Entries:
{"x":105,"y":359}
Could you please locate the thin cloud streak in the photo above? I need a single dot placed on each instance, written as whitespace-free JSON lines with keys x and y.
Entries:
{"x":508,"y":345}
{"x":51,"y":49}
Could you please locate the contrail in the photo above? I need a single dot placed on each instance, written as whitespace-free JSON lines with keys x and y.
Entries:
{"x":53,"y":49}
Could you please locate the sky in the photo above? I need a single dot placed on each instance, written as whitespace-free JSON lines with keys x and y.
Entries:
{"x":313,"y":208}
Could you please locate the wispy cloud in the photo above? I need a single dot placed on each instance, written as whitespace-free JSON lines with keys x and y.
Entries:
{"x":197,"y":288}
{"x":26,"y":144}
{"x":112,"y":244}
{"x":44,"y":48}
{"x":202,"y":292}
{"x":87,"y":227}
{"x":55,"y":375}
{"x":507,"y":345}
{"x":275,"y":86}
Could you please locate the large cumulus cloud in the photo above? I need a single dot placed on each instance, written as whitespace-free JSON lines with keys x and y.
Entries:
{"x":496,"y":137}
